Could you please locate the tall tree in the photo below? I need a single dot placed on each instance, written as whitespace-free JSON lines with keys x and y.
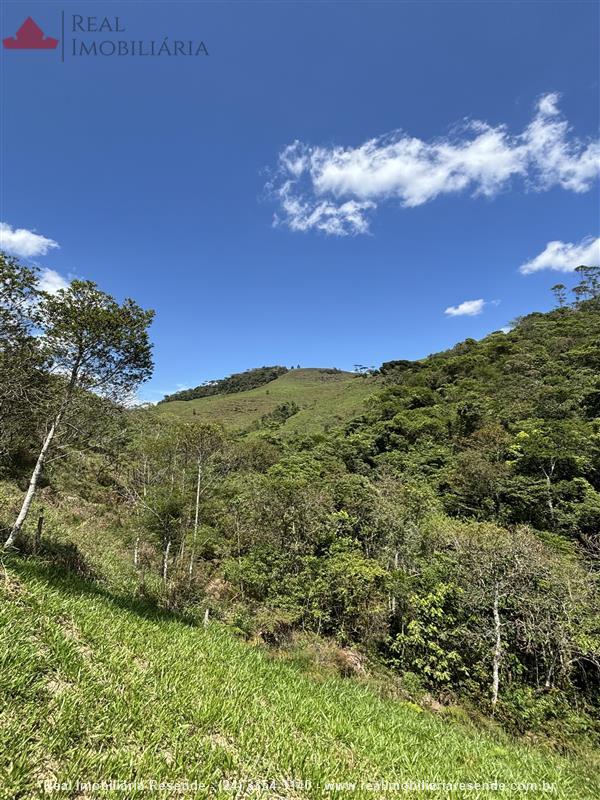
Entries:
{"x":18,"y":288}
{"x":559,"y":290}
{"x":588,"y":287}
{"x":95,"y":345}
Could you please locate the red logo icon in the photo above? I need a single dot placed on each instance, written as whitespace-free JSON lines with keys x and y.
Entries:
{"x":30,"y":37}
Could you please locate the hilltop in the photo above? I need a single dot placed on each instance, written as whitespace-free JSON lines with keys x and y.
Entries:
{"x":232,"y":384}
{"x":324,"y":397}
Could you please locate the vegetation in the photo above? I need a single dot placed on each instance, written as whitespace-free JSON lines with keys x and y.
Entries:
{"x":238,"y":382}
{"x":435,"y":550}
{"x":326,"y":398}
{"x":105,"y":687}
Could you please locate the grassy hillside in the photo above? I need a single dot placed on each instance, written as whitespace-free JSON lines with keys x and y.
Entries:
{"x":325,"y":398}
{"x":98,"y":686}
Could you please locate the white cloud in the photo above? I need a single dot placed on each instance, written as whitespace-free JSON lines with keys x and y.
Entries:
{"x":333,"y":188}
{"x":24,"y":243}
{"x":51,"y":281}
{"x":335,"y":219}
{"x":469,"y":308}
{"x":565,"y":256}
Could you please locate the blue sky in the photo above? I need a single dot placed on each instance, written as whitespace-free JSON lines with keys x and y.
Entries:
{"x":160,"y":177}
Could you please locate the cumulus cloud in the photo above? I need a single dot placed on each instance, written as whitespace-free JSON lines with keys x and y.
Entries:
{"x":565,"y":256}
{"x":334,"y":189}
{"x":51,"y":281}
{"x":468,"y":308}
{"x":24,"y":243}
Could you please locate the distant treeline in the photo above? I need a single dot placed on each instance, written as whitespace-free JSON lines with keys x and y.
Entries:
{"x":238,"y":382}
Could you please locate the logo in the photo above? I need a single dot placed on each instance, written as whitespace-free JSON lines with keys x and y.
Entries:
{"x":99,"y":37}
{"x":30,"y":37}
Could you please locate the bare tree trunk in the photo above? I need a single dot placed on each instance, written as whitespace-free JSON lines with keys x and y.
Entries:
{"x":33,"y":483}
{"x":548,"y":474}
{"x":239,"y":554}
{"x":497,"y":650}
{"x":393,"y":598}
{"x":166,"y":561}
{"x":196,"y":518}
{"x":548,"y":682}
{"x":39,"y":464}
{"x":136,"y":551}
{"x":549,"y":494}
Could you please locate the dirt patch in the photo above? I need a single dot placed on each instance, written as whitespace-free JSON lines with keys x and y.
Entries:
{"x":57,"y":686}
{"x":223,"y":742}
{"x":141,"y":664}
{"x":11,"y":586}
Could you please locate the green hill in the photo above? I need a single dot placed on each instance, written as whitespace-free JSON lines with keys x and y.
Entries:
{"x":325,"y":398}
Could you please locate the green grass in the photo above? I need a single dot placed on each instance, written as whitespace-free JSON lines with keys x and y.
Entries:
{"x":325,"y":399}
{"x":96,"y":686}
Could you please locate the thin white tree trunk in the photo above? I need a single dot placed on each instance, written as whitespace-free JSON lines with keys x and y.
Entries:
{"x":548,"y":683}
{"x":196,"y":519}
{"x":33,"y":483}
{"x":497,"y":650}
{"x":393,"y":598}
{"x":549,"y":474}
{"x":239,"y":552}
{"x":166,"y":561}
{"x":39,"y":464}
{"x":136,"y":551}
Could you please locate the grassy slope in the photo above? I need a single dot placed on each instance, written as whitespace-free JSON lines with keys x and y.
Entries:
{"x":95,"y":685}
{"x":325,"y":399}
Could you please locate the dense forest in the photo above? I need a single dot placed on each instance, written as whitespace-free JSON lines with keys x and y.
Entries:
{"x":238,"y":382}
{"x":449,"y":536}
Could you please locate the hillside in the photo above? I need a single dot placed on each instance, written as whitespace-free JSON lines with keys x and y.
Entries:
{"x":409,"y":594}
{"x":99,"y":686}
{"x":504,"y":428}
{"x":325,"y":398}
